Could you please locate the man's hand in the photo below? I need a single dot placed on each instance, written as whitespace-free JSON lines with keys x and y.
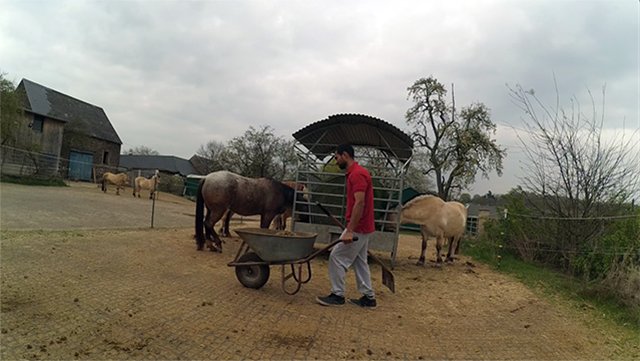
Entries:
{"x":347,"y":237}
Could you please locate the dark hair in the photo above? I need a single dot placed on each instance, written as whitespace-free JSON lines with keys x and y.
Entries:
{"x":345,"y":148}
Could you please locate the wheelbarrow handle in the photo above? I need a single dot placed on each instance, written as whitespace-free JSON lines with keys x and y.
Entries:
{"x":326,"y":211}
{"x":333,"y":219}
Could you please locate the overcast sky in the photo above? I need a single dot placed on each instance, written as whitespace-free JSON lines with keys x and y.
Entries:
{"x":173,"y":75}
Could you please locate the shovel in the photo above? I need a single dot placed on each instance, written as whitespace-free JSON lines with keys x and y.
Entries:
{"x":388,"y":279}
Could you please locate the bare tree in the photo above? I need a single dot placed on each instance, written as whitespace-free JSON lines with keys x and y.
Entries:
{"x":576,"y":171}
{"x":211,"y":156}
{"x":415,"y":175}
{"x":459,"y":145}
{"x":141,"y":150}
{"x":259,"y":153}
{"x":574,"y":178}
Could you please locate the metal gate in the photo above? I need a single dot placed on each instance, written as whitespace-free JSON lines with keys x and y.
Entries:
{"x":380,"y":147}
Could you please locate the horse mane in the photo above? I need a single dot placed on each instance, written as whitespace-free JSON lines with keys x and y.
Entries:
{"x":287,"y":191}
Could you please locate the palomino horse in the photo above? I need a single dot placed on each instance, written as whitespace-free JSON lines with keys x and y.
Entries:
{"x":150,"y":184}
{"x":438,"y":219}
{"x":120,"y":180}
{"x":221,"y":191}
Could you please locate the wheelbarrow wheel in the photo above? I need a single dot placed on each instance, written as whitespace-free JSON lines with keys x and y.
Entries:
{"x":254,"y":276}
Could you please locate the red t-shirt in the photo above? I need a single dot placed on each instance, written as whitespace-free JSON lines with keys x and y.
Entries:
{"x":359,"y":180}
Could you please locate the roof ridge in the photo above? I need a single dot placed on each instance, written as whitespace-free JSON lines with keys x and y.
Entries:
{"x":61,"y":93}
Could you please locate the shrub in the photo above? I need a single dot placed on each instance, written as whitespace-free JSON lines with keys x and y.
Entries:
{"x":33,"y":180}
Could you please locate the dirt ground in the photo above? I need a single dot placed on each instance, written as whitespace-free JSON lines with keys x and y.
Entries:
{"x":129,"y":292}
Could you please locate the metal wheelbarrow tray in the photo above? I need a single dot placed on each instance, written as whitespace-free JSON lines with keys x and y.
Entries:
{"x":262,"y":248}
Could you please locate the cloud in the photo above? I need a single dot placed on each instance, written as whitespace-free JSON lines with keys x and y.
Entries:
{"x":174,"y":75}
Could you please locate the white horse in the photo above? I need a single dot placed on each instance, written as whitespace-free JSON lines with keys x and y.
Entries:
{"x":150,"y":184}
{"x":438,"y":219}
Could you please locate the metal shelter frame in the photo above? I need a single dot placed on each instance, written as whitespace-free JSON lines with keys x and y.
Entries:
{"x":380,"y":147}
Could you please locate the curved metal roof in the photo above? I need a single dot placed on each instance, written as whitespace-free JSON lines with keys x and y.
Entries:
{"x":322,"y":137}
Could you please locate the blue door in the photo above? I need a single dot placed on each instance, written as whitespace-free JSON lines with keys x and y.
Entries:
{"x":80,"y":166}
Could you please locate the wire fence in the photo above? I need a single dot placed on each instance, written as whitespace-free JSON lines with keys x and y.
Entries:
{"x":577,"y":245}
{"x":27,"y":163}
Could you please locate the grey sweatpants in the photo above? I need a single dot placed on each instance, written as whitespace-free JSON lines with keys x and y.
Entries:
{"x":353,"y":254}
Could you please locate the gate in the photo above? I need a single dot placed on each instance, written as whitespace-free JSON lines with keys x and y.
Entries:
{"x":380,"y":147}
{"x":80,"y":165}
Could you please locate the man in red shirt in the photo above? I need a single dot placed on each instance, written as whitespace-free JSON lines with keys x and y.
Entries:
{"x":360,"y":223}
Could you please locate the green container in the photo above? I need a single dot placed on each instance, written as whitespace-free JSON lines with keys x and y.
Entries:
{"x":191,"y":185}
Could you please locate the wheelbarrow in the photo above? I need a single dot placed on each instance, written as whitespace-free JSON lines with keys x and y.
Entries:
{"x":262,"y":248}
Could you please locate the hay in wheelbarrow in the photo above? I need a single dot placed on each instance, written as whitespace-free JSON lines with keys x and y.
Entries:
{"x":278,"y":246}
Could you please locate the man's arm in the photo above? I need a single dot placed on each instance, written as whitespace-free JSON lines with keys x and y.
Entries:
{"x":356,"y":214}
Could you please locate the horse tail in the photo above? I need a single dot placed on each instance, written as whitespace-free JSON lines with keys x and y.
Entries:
{"x":200,"y":216}
{"x":104,"y":185}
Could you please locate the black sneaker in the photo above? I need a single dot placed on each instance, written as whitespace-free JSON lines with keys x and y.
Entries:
{"x":365,"y":302}
{"x":331,"y":300}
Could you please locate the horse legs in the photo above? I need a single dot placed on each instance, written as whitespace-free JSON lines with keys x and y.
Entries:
{"x":424,"y":247}
{"x":224,"y":228}
{"x":439,"y":241}
{"x":453,"y":251}
{"x":210,"y":220}
{"x":118,"y":190}
{"x":457,"y":251}
{"x":265,"y":219}
{"x":277,"y":222}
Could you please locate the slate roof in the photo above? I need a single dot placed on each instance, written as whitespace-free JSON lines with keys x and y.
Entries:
{"x":87,"y":118}
{"x":475,"y":209}
{"x":164,"y":163}
{"x":323,"y":136}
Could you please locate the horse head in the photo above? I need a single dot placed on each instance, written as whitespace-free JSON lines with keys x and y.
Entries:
{"x":301,"y":202}
{"x":303,"y":208}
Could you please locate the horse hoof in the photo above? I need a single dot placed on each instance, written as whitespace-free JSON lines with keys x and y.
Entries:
{"x":420,"y":263}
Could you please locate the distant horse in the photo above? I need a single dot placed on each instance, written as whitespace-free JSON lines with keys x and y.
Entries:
{"x":120,"y":180}
{"x":438,"y":219}
{"x":222,"y":191}
{"x":150,"y":184}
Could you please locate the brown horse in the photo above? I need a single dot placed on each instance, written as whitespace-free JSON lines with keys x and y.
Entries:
{"x":222,"y":191}
{"x":120,"y":180}
{"x":438,"y":219}
{"x":150,"y":184}
{"x":280,"y":221}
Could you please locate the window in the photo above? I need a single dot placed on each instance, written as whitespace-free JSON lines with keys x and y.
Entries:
{"x":38,"y":121}
{"x":472,"y":225}
{"x":105,"y":157}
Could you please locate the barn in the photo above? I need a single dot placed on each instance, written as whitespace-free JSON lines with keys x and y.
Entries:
{"x":62,"y":135}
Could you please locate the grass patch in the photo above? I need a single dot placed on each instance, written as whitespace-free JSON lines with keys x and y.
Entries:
{"x":553,"y":284}
{"x":33,"y":181}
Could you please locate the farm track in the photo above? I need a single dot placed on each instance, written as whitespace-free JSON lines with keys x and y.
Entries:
{"x":83,"y":277}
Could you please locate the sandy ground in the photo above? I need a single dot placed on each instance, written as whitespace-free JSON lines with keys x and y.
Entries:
{"x":125,"y":291}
